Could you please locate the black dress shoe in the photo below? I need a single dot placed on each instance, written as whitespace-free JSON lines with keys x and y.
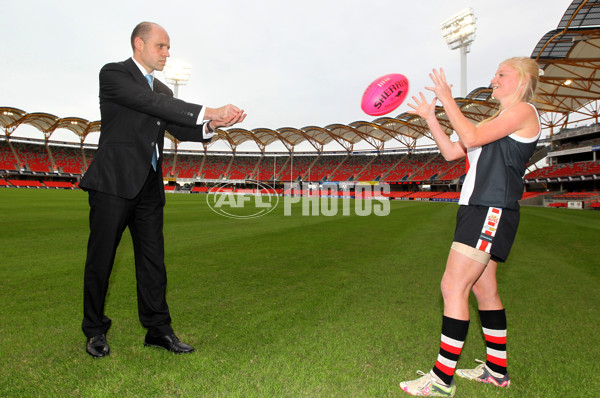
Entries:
{"x":97,"y":346}
{"x":169,"y":342}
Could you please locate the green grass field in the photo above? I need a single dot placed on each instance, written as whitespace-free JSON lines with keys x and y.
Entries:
{"x":290,"y":306}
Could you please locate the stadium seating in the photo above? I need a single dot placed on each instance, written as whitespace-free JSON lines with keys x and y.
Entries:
{"x":399,"y":194}
{"x":408,"y":166}
{"x":325,"y":166}
{"x":350,"y":167}
{"x":452,"y":170}
{"x":269,"y":166}
{"x":58,"y":184}
{"x":214,"y":167}
{"x":7,"y":158}
{"x":297,"y":167}
{"x":188,"y":166}
{"x":399,"y":168}
{"x":88,"y":157}
{"x":313,"y":168}
{"x":528,"y":195}
{"x":448,"y":196}
{"x":242,"y":167}
{"x":430,"y":169}
{"x":34,"y":157}
{"x":587,"y":198}
{"x":378,"y":167}
{"x":67,"y":159}
{"x":576,"y":195}
{"x":422,"y":195}
{"x":565,"y":170}
{"x":26,"y":183}
{"x":168,"y":165}
{"x":557,"y":204}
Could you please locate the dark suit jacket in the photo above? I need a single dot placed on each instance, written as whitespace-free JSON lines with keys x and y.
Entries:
{"x":134,"y":118}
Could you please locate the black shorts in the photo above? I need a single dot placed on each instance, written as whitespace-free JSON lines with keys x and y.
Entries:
{"x":489,"y":229}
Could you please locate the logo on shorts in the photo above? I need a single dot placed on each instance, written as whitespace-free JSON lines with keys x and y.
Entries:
{"x":493,"y":219}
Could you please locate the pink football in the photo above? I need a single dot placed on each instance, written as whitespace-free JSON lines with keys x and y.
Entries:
{"x":384,"y":94}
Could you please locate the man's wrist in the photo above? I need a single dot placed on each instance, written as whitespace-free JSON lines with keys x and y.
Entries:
{"x":208,"y":128}
{"x":208,"y":133}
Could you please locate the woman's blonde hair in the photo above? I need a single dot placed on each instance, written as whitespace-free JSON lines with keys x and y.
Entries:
{"x":529,"y":74}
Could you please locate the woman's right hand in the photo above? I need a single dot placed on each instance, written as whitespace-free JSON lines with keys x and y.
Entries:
{"x":422,"y":107}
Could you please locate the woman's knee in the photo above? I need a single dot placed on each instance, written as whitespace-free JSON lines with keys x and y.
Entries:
{"x":485,"y":292}
{"x":452,"y":288}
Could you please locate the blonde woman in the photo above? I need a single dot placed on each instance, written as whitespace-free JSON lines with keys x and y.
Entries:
{"x":497,"y":150}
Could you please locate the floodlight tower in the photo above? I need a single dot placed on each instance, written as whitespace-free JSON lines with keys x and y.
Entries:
{"x":177,"y":73}
{"x":459,"y":32}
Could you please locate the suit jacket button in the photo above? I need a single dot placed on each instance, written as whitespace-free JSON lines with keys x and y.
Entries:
{"x":158,"y":123}
{"x":152,"y":143}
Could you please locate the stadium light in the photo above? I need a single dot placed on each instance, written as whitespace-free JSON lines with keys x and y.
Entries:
{"x":177,"y":73}
{"x":459,"y":32}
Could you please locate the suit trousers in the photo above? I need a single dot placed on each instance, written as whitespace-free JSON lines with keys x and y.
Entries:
{"x":109,"y":216}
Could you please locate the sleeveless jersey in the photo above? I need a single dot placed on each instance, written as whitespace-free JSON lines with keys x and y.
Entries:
{"x":495,"y":171}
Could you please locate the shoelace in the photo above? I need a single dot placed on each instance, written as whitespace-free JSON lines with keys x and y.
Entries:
{"x":481,"y":367}
{"x":422,"y":381}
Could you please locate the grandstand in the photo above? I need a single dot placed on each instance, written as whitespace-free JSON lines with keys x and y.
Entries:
{"x":564,"y":172}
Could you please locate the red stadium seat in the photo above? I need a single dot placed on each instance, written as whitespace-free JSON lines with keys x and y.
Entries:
{"x":26,"y":183}
{"x":58,"y":184}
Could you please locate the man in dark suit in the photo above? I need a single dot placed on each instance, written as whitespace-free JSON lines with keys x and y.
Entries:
{"x":125,"y":185}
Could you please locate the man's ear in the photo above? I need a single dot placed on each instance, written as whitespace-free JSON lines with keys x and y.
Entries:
{"x":138,"y":43}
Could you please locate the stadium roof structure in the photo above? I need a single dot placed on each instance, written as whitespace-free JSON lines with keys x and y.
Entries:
{"x":11,"y":118}
{"x":570,"y":85}
{"x":570,"y":59}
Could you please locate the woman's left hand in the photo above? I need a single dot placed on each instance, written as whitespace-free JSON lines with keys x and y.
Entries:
{"x":442,"y":90}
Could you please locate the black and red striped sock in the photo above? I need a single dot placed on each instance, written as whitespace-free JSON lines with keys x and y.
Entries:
{"x":454,"y":333}
{"x":493,"y":324}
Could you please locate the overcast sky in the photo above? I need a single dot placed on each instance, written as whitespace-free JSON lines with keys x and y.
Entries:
{"x":287,"y":63}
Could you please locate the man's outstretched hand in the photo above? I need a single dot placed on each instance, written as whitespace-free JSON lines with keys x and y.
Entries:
{"x":225,"y":116}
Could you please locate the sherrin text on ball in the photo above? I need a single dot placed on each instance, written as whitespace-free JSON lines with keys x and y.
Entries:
{"x":384,"y":94}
